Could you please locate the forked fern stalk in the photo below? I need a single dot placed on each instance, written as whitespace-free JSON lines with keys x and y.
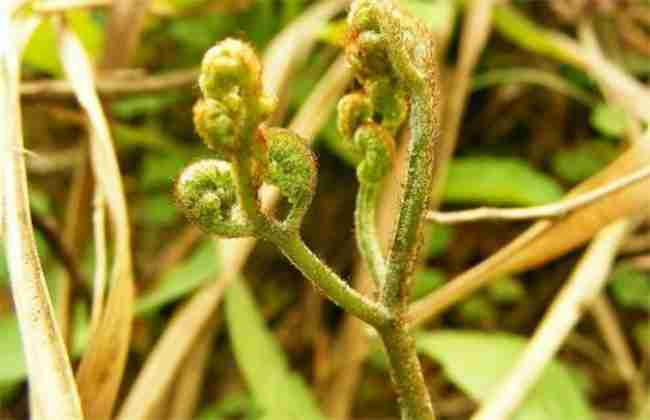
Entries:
{"x":393,"y":57}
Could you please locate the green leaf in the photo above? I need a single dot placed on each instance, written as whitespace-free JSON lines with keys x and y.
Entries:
{"x":143,"y":105}
{"x":478,"y":310}
{"x":41,"y":52}
{"x":4,"y":270}
{"x":184,"y":278}
{"x":280,"y":393}
{"x":438,"y":239}
{"x":609,"y":120}
{"x":13,"y":370}
{"x":44,"y":254}
{"x":506,"y":290}
{"x":584,"y":160}
{"x":435,"y":13}
{"x":524,"y":32}
{"x":177,"y":6}
{"x":158,"y":210}
{"x":150,"y":137}
{"x":8,"y":392}
{"x":334,"y":33}
{"x":426,"y":281}
{"x":12,"y":363}
{"x":80,"y":329}
{"x":236,"y":404}
{"x":641,"y":334}
{"x":160,"y":170}
{"x":198,"y":32}
{"x":489,"y":180}
{"x":477,"y":362}
{"x":39,"y":202}
{"x":630,"y":287}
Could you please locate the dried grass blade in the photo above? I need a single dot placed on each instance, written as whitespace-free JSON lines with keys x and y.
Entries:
{"x":50,"y":375}
{"x":187,"y":392}
{"x":181,"y":333}
{"x":102,"y":366}
{"x":114,"y":84}
{"x":185,"y":326}
{"x":124,"y":29}
{"x":477,"y":27}
{"x":555,"y":209}
{"x":290,"y":48}
{"x":57,"y":6}
{"x":99,"y":279}
{"x":546,"y":239}
{"x":586,"y":281}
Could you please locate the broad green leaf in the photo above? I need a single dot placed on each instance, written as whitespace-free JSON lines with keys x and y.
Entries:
{"x":41,"y":52}
{"x":292,"y":8}
{"x":425,"y":281}
{"x":39,"y":202}
{"x":157,"y":210}
{"x":478,"y":310}
{"x":202,"y":266}
{"x":438,"y":239}
{"x":489,"y":180}
{"x":506,"y":290}
{"x":477,"y":362}
{"x":609,"y":120}
{"x":235,"y":405}
{"x":145,"y":105}
{"x":176,"y":6}
{"x":149,"y":137}
{"x":80,"y":329}
{"x":334,"y":33}
{"x":644,"y":412}
{"x":190,"y":35}
{"x":636,"y":63}
{"x":8,"y":391}
{"x":641,"y":334}
{"x":435,"y":13}
{"x":584,"y":160}
{"x":160,"y":170}
{"x":630,"y":287}
{"x":12,"y":363}
{"x":280,"y":393}
{"x":527,"y":34}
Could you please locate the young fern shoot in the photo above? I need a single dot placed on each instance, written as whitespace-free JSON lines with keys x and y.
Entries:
{"x":393,"y":58}
{"x":221,"y":195}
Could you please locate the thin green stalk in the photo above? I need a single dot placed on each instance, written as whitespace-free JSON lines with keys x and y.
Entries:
{"x":406,"y":372}
{"x":246,"y":191}
{"x":533,"y":76}
{"x":327,"y":281}
{"x":403,"y":252}
{"x":366,"y":232}
{"x":381,"y":28}
{"x":242,"y":164}
{"x":516,"y":27}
